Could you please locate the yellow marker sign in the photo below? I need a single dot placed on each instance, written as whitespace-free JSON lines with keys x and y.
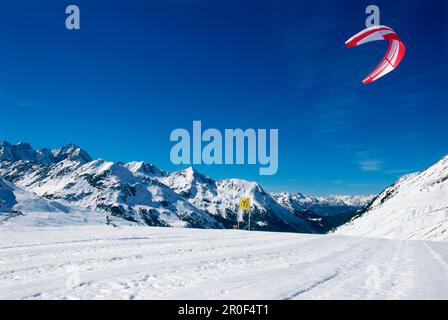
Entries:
{"x":245,"y":204}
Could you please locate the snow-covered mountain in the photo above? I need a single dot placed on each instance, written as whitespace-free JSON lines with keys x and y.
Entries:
{"x":324,"y":213}
{"x":414,"y":207}
{"x":221,"y":199}
{"x":23,"y":151}
{"x":323,"y":206}
{"x":143,"y":193}
{"x":68,"y":175}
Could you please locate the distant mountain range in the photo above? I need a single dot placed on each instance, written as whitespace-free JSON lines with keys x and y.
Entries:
{"x":67,"y":177}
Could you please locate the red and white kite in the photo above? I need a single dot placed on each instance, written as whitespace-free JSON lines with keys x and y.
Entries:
{"x":394,"y":54}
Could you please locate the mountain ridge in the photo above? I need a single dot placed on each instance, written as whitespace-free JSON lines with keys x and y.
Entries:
{"x":143,"y":193}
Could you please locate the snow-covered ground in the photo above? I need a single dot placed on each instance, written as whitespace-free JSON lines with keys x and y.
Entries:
{"x":95,"y":261}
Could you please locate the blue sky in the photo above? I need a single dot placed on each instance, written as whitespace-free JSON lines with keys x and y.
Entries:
{"x":139,"y":69}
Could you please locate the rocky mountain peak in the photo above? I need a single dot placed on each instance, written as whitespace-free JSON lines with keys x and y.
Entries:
{"x":23,"y":151}
{"x":16,"y":152}
{"x":71,"y":152}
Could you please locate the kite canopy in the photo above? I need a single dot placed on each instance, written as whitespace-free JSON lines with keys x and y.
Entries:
{"x":394,"y":54}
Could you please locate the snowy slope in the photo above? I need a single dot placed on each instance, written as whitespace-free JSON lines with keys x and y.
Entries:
{"x":19,"y":208}
{"x":415,"y":207}
{"x":100,"y":262}
{"x":7,"y":197}
{"x":14,"y":200}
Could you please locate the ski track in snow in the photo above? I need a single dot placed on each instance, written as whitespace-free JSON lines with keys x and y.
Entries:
{"x":101,"y":262}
